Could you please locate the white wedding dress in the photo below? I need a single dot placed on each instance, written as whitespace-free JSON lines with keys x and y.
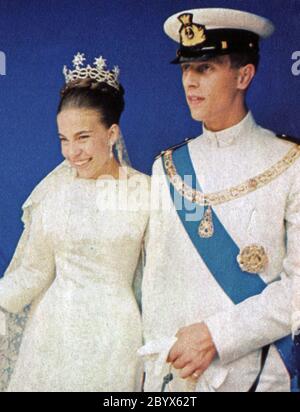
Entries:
{"x":75,"y":265}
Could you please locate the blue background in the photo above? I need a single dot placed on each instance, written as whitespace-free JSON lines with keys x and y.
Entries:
{"x":39,"y":37}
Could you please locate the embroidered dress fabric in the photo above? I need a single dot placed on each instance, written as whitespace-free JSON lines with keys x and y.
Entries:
{"x":73,"y":272}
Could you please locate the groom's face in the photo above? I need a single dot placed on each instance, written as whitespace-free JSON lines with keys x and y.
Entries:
{"x":211,"y":88}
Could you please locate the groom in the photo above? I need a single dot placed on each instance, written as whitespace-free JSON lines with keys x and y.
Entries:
{"x":221,"y":261}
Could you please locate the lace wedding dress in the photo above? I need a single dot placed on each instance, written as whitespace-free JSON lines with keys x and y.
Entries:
{"x":75,"y":265}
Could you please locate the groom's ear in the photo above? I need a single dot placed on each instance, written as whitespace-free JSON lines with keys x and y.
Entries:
{"x":245,"y":76}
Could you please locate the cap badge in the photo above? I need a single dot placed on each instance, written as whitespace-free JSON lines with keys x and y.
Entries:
{"x":191,"y":34}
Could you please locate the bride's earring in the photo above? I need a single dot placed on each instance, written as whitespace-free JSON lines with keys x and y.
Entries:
{"x":111,"y":154}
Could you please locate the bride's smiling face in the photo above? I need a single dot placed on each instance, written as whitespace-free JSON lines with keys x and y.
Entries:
{"x":85,"y":141}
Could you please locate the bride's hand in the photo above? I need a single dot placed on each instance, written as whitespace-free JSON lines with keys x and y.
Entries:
{"x":2,"y":323}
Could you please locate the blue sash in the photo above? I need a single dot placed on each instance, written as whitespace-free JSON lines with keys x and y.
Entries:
{"x":238,"y":285}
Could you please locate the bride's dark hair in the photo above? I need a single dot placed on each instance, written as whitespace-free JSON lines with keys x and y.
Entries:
{"x":90,"y":94}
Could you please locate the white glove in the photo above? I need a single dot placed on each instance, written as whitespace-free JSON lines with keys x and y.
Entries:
{"x":159,"y":350}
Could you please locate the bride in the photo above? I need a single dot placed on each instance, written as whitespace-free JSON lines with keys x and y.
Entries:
{"x":76,"y":260}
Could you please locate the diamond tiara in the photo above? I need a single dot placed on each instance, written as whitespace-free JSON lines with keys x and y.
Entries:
{"x":98,"y":72}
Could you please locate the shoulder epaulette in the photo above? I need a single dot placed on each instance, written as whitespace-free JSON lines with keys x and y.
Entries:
{"x":186,"y":141}
{"x":289,"y":138}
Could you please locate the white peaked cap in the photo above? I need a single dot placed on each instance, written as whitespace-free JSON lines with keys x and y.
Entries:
{"x":220,"y":18}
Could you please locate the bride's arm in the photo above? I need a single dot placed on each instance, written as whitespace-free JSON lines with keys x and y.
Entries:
{"x":2,"y":323}
{"x":296,"y":307}
{"x":138,"y":277}
{"x":32,"y":269}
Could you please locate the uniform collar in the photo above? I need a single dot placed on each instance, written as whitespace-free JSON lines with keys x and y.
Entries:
{"x":228,"y":137}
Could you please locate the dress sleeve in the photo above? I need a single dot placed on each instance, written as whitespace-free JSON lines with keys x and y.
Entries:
{"x":30,"y":271}
{"x":32,"y":268}
{"x":139,"y":272}
{"x":138,"y":277}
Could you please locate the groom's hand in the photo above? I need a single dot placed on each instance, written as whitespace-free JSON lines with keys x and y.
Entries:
{"x":194,"y":350}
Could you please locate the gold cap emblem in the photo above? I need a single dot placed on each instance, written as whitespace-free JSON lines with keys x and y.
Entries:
{"x":191,"y":34}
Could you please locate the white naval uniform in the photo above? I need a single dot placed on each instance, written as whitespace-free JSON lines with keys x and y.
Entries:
{"x":178,"y":288}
